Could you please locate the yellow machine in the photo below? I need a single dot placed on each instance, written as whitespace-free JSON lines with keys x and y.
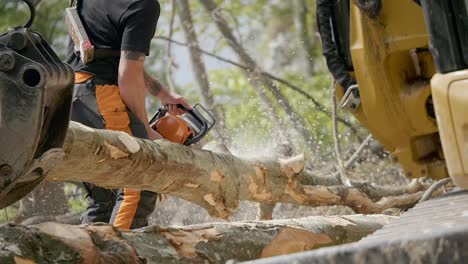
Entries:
{"x":402,"y":72}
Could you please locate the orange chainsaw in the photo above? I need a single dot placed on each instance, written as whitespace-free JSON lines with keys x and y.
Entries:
{"x":187,"y":129}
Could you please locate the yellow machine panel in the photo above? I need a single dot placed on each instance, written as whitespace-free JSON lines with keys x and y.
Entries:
{"x":450,"y":99}
{"x":393,"y":68}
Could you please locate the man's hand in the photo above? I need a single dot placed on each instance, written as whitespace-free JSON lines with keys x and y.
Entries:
{"x":171,"y":100}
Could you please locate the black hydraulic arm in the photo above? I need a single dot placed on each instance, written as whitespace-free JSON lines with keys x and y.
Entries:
{"x":35,"y":99}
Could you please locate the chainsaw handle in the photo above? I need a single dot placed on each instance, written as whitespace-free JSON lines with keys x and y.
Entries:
{"x":207,"y":125}
{"x":184,"y":108}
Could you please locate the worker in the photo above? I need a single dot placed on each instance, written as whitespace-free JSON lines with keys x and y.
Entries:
{"x":110,"y":94}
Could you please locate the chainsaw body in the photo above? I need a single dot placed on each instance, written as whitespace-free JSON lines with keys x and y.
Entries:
{"x":186,"y":129}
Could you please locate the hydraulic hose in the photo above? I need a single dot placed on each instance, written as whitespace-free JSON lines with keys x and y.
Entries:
{"x":336,"y":64}
{"x":32,"y":11}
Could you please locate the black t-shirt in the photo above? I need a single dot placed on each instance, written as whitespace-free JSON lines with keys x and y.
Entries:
{"x":118,"y":25}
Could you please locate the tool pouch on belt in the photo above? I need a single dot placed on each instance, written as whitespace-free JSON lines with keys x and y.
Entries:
{"x":83,"y":46}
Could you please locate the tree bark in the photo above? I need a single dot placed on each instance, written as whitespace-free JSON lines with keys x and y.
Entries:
{"x":199,"y":69}
{"x":298,"y":121}
{"x":69,"y":218}
{"x":47,"y":199}
{"x":206,"y":243}
{"x":215,"y":181}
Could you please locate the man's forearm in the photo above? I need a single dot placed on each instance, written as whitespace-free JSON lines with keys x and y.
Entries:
{"x":132,"y":83}
{"x":134,"y":99}
{"x":153,"y":86}
{"x":168,"y":98}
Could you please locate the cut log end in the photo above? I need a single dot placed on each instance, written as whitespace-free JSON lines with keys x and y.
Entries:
{"x":292,"y":166}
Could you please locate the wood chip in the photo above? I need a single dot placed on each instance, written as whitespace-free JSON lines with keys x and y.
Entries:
{"x":192,"y":185}
{"x":21,"y":260}
{"x":210,"y":198}
{"x":165,"y":187}
{"x":185,"y":242}
{"x":115,"y":152}
{"x":216,"y":176}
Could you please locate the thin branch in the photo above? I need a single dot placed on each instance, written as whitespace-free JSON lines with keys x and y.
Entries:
{"x":341,"y":169}
{"x":434,"y":187}
{"x":355,"y":156}
{"x":317,"y":105}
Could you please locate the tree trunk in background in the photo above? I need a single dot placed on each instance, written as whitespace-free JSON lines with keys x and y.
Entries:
{"x":303,"y":28}
{"x":199,"y":69}
{"x":215,"y":181}
{"x":298,"y":121}
{"x":48,"y":199}
{"x":206,"y":243}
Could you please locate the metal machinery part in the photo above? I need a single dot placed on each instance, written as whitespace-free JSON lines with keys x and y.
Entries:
{"x":349,"y":100}
{"x":35,"y":99}
{"x":392,"y":64}
{"x":447,"y":23}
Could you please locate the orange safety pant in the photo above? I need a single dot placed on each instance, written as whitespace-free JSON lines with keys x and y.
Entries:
{"x":101,"y":106}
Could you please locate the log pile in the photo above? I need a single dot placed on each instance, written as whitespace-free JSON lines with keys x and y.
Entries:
{"x":206,"y":243}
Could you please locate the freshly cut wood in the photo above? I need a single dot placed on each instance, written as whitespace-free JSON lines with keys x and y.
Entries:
{"x":215,"y":181}
{"x":207,"y":243}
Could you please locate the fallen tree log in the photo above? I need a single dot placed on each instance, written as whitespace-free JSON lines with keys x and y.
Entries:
{"x":207,"y":243}
{"x":373,"y":191}
{"x":215,"y":181}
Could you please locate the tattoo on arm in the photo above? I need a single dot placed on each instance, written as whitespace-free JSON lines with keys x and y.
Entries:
{"x":134,"y":55}
{"x":153,"y":85}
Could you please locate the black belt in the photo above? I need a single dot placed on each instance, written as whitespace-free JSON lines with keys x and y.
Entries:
{"x":103,"y":53}
{"x":106,"y":53}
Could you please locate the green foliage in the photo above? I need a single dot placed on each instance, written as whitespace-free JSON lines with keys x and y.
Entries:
{"x":268,"y":31}
{"x":76,"y":200}
{"x":8,"y":214}
{"x":258,"y":24}
{"x":246,"y":120}
{"x":49,"y":20}
{"x":13,"y":13}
